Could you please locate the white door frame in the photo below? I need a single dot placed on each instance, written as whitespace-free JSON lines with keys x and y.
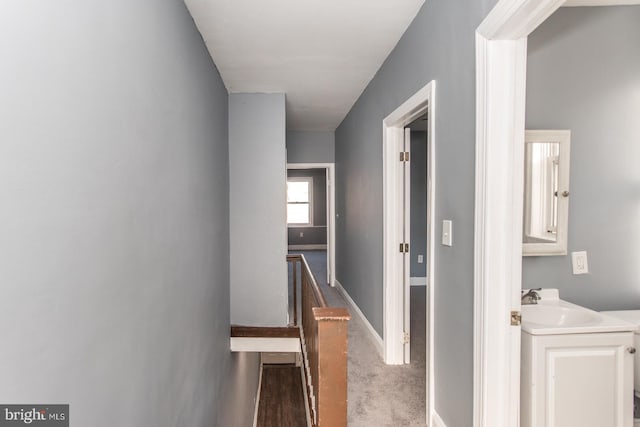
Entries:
{"x":393,"y":303}
{"x":501,"y":57}
{"x":331,"y":213}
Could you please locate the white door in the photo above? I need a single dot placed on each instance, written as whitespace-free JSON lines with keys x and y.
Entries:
{"x":331,"y":258}
{"x":406,"y":232}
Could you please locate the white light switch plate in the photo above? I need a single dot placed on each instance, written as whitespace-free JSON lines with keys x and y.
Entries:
{"x":579,"y":262}
{"x":420,"y":259}
{"x":447,"y":232}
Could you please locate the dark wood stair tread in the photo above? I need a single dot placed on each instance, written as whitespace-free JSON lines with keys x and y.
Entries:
{"x":281,"y":397}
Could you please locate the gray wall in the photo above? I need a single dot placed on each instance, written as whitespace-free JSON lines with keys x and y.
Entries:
{"x":317,"y":234}
{"x":310,"y":147}
{"x":440,"y":45}
{"x":310,"y":236}
{"x":257,"y":170}
{"x":114,"y":220}
{"x":418,"y":166}
{"x":584,"y":75}
{"x":237,"y":406}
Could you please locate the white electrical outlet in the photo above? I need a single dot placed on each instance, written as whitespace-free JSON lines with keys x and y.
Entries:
{"x":301,"y":234}
{"x":420,"y":259}
{"x":447,"y":232}
{"x":579,"y":262}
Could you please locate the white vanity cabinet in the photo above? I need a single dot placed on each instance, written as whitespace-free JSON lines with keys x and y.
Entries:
{"x":577,"y":380}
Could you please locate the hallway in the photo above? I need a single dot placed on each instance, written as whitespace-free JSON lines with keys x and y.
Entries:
{"x":380,"y":394}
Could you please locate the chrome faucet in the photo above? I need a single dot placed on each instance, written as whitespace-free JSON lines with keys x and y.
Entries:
{"x":531,"y":297}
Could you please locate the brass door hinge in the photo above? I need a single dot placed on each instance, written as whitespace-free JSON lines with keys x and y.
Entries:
{"x":404,"y":156}
{"x":516,"y":318}
{"x":404,"y":247}
{"x":406,"y":338}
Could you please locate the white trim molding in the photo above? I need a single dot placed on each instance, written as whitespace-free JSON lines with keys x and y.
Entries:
{"x":418,"y":281}
{"x":496,"y":358}
{"x":392,"y":194}
{"x":436,"y":420}
{"x":270,"y":345}
{"x":394,"y":278}
{"x":307,"y":247}
{"x":375,"y":337}
{"x":501,"y":55}
{"x":331,"y":213}
{"x":257,"y":398}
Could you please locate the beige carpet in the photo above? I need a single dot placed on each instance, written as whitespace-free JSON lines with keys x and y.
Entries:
{"x":381,"y":395}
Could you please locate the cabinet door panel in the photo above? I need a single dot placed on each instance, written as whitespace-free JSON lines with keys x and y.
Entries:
{"x":577,"y":380}
{"x":583,"y":387}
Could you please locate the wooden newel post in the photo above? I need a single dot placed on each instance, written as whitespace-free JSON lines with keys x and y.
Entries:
{"x":332,"y":365}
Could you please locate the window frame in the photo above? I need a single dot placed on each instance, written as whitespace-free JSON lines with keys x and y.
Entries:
{"x":309,"y":181}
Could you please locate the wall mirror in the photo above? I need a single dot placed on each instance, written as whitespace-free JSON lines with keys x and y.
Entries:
{"x":546,"y":192}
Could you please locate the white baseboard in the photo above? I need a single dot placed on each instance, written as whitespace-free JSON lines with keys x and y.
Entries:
{"x":418,"y":281}
{"x":303,"y":380}
{"x":377,"y":340}
{"x":437,"y":421}
{"x":257,"y":402}
{"x":269,"y":345}
{"x":307,"y":247}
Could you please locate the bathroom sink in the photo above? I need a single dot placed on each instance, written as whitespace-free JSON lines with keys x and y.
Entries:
{"x":558,"y":315}
{"x":553,"y":316}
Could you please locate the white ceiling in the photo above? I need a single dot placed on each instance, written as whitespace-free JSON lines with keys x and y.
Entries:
{"x":321,"y":53}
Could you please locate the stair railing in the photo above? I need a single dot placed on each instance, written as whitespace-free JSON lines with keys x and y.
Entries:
{"x":323,"y":332}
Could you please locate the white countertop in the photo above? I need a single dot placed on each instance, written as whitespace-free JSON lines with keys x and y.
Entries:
{"x":553,"y":316}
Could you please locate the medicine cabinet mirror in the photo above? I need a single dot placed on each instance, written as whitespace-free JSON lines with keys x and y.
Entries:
{"x":546,"y":192}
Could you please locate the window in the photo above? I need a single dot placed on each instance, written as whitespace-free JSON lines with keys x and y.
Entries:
{"x":299,"y":201}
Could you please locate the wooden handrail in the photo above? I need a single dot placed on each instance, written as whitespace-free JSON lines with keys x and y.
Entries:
{"x":306,"y":270}
{"x":323,"y":332}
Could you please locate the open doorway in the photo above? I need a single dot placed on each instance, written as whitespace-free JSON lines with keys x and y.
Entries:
{"x":501,"y":63}
{"x":416,"y":139}
{"x":311,"y":216}
{"x":405,"y":237}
